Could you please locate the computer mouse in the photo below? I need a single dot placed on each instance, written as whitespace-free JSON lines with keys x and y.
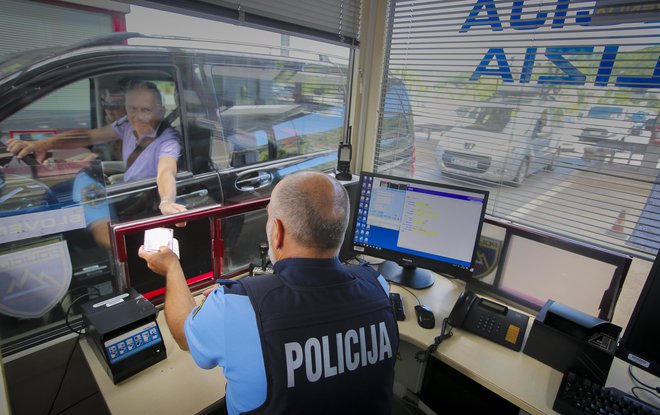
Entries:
{"x":425,"y":317}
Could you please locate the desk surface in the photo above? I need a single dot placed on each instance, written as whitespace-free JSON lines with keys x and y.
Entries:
{"x":176,"y":385}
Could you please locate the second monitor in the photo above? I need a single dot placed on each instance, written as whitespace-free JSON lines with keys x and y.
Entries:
{"x":417,"y":226}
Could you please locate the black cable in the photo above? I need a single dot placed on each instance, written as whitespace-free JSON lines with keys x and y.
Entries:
{"x":423,"y":355}
{"x":649,"y":391}
{"x":651,"y":387}
{"x":404,"y":287}
{"x":68,"y":309}
{"x":78,"y":401}
{"x":79,"y":333}
{"x":66,"y":370}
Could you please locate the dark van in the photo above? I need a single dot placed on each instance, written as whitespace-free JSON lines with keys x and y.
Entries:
{"x":245,"y":121}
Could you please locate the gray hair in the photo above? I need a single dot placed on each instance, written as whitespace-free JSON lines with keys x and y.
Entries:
{"x":313,"y":207}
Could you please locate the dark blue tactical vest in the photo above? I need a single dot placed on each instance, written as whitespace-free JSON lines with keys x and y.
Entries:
{"x":328,"y":349}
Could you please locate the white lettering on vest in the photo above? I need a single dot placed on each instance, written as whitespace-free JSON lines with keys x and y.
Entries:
{"x":318,"y":356}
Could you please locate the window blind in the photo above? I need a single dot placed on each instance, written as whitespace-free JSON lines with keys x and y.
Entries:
{"x":550,"y":105}
{"x":336,"y":21}
{"x":31,"y":25}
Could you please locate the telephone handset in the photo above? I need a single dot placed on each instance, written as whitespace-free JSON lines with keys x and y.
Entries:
{"x":491,"y":320}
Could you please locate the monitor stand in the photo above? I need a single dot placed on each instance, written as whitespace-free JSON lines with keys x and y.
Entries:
{"x":411,"y":277}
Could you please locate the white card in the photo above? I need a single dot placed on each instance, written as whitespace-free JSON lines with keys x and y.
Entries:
{"x":157,"y":237}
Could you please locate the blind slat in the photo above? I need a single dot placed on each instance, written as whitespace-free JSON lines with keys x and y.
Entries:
{"x":565,"y":90}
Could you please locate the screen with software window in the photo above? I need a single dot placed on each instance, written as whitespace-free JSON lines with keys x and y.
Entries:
{"x":415,"y":224}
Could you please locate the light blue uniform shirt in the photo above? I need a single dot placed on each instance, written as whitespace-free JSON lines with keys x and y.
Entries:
{"x":223,"y":332}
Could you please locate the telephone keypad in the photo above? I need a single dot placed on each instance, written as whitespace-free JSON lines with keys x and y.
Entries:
{"x":489,"y":324}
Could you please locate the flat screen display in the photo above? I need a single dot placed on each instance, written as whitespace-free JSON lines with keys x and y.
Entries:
{"x":639,"y":344}
{"x":415,"y":224}
{"x":530,"y":267}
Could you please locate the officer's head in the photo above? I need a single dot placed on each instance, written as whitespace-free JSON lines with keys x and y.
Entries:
{"x":307,"y":217}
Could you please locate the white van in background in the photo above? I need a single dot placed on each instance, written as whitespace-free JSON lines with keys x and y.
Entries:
{"x":509,"y":138}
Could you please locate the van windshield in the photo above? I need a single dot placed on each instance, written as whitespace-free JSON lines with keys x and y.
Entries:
{"x":492,"y":119}
{"x":605,"y":113}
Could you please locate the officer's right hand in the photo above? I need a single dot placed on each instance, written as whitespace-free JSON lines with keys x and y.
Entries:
{"x":161,"y":262}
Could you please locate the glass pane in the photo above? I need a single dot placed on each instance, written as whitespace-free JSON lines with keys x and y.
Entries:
{"x":552,"y":109}
{"x":274,"y":109}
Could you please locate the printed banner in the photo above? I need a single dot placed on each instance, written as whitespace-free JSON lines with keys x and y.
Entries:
{"x":30,"y":225}
{"x":34,"y":280}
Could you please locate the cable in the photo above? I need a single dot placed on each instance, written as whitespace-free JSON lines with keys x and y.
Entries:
{"x":404,"y":287}
{"x":66,"y":370}
{"x":423,"y":355}
{"x":68,"y":309}
{"x":634,"y":389}
{"x":79,"y":401}
{"x":632,"y":375}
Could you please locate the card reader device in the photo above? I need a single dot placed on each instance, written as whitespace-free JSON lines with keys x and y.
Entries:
{"x":123,"y":333}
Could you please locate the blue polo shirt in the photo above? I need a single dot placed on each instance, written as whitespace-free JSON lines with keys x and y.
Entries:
{"x":223,"y":330}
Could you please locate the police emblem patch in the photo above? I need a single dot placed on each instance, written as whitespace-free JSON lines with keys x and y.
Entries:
{"x":488,"y":256}
{"x":92,"y":194}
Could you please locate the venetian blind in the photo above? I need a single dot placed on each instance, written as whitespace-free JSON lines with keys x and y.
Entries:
{"x":550,"y":105}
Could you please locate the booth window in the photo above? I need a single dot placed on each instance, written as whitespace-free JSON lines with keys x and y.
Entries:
{"x":552,"y":106}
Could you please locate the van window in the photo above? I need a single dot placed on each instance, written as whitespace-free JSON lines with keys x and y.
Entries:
{"x":53,"y":214}
{"x":275,"y":109}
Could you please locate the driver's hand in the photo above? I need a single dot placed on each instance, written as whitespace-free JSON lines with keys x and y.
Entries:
{"x":21,"y":148}
{"x":168,"y":208}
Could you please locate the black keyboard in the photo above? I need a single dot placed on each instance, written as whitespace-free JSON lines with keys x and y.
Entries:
{"x":397,"y":304}
{"x":578,"y":395}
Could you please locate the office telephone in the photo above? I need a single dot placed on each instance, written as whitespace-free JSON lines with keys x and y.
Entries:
{"x":490,"y":320}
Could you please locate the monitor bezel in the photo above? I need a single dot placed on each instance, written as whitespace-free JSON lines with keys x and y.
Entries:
{"x":624,"y":350}
{"x":610,"y":296}
{"x":407,"y":260}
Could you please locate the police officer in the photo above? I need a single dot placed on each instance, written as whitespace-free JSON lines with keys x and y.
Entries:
{"x":316,"y":337}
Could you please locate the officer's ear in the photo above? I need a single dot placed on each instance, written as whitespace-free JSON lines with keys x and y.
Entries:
{"x":277,"y":234}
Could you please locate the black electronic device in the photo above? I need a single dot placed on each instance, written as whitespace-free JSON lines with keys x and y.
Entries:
{"x":490,"y":320}
{"x":418,"y":227}
{"x":567,"y":339}
{"x":397,"y":306}
{"x":425,"y":317}
{"x":124,"y":333}
{"x":578,"y":395}
{"x":640,"y":342}
{"x":266,"y":267}
{"x":344,"y":155}
{"x":526,"y":266}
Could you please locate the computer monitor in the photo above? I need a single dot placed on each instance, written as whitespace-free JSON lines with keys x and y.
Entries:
{"x":418,"y":227}
{"x":639,"y":343}
{"x":528,"y":267}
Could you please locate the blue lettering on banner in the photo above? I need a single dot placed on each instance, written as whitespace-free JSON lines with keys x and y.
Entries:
{"x":485,"y":15}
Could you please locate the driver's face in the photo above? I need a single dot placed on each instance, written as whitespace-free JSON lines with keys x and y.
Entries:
{"x":143,"y":111}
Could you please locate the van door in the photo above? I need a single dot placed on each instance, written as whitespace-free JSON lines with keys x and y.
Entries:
{"x":542,"y":143}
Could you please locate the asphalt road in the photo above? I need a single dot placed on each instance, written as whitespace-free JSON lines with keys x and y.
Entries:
{"x":556,"y":199}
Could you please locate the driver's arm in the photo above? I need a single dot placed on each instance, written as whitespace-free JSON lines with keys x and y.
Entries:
{"x":64,"y":140}
{"x":166,"y":182}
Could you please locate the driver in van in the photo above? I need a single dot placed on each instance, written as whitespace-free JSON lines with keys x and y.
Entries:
{"x":150,"y":147}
